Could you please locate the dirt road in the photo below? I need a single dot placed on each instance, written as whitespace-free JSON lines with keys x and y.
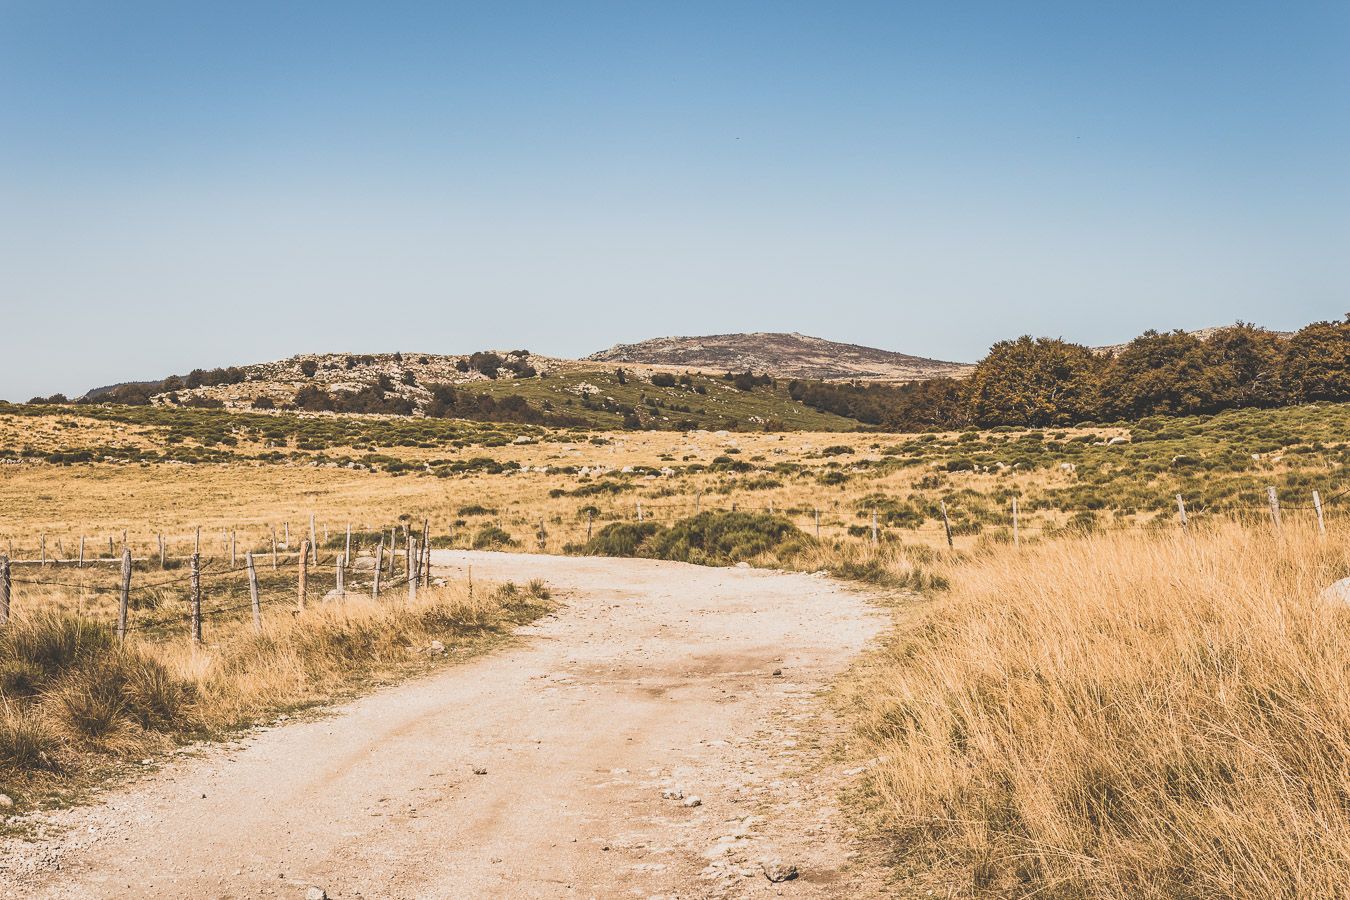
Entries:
{"x":652,"y":677}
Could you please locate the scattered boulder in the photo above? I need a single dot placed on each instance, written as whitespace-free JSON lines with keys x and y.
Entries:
{"x":6,"y":801}
{"x":316,"y":893}
{"x":691,"y":802}
{"x":1338,"y":592}
{"x":672,"y":794}
{"x":436,"y":647}
{"x":778,"y":871}
{"x":480,"y":770}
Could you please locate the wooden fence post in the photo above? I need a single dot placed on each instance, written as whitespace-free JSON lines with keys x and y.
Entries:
{"x":1017,"y":525}
{"x":947,"y":524}
{"x":196,"y":599}
{"x":42,"y":549}
{"x":124,"y":597}
{"x":817,"y":523}
{"x":1181,"y":511}
{"x":274,"y":548}
{"x":303,"y":577}
{"x":163,"y":555}
{"x":234,"y":549}
{"x":639,"y":507}
{"x":874,"y":526}
{"x":81,"y":563}
{"x":425,"y":559}
{"x":412,"y":574}
{"x":698,"y":502}
{"x":379,"y":564}
{"x":287,"y":539}
{"x":313,"y":541}
{"x":590,"y":522}
{"x":348,"y":552}
{"x":112,"y":549}
{"x":197,"y":542}
{"x":1321,"y":522}
{"x":1274,"y":499}
{"x":253,"y":591}
{"x":6,"y":585}
{"x":339,"y":565}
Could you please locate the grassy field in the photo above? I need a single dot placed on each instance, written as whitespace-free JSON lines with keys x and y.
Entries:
{"x":1112,"y":706}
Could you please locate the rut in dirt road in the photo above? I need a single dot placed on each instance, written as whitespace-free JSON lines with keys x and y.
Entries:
{"x":536,"y":771}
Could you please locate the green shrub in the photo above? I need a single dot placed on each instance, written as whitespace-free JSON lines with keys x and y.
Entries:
{"x":490,"y":537}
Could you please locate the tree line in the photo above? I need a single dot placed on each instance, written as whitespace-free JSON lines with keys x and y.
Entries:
{"x":1040,"y":382}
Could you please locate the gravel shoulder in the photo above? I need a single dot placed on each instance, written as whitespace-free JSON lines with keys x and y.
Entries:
{"x":535,"y":771}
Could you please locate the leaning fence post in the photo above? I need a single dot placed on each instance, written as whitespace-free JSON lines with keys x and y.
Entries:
{"x":1274,"y":499}
{"x":1181,"y":511}
{"x":124,"y":598}
{"x":379,"y":564}
{"x":1321,"y":522}
{"x":6,"y":585}
{"x":874,"y":526}
{"x":303,"y":577}
{"x":946,"y":523}
{"x":196,"y":599}
{"x":253,"y":591}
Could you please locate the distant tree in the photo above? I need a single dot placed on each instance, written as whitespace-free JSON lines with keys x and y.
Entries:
{"x":1035,"y":381}
{"x":308,"y":368}
{"x":1244,"y":365}
{"x":1316,"y":363}
{"x":663,"y":379}
{"x":1158,"y":373}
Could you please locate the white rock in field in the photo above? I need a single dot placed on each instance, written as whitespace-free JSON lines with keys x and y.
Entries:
{"x":672,"y":794}
{"x":691,"y":802}
{"x":1338,"y":592}
{"x":778,"y":871}
{"x":436,"y":647}
{"x":316,"y":893}
{"x":6,"y":801}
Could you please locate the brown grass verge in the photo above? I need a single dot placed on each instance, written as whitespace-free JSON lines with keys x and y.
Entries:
{"x":1121,"y":715}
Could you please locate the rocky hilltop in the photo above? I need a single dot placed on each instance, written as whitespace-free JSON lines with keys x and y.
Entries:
{"x":782,"y":355}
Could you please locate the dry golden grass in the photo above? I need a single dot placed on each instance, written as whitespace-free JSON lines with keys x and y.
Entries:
{"x":1124,"y":715}
{"x":72,"y":700}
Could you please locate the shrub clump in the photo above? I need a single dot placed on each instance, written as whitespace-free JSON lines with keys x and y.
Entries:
{"x":714,"y":538}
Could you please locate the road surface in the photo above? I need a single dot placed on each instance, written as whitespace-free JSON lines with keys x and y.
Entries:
{"x":545,"y":769}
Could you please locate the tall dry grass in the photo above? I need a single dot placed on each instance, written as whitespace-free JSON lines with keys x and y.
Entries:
{"x":72,"y":698}
{"x":1123,"y":715}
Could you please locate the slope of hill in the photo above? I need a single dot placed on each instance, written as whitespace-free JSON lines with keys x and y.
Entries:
{"x":515,"y":386}
{"x":782,"y":355}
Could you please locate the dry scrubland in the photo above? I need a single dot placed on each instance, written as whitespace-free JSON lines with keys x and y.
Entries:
{"x":1116,"y":707}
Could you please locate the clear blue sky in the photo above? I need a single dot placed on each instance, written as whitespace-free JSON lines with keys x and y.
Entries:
{"x":197,"y":184}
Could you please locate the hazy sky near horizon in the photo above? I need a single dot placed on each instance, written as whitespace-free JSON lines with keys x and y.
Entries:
{"x":205,"y":184}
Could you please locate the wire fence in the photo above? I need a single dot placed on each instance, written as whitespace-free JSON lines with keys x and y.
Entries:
{"x":265,"y":572}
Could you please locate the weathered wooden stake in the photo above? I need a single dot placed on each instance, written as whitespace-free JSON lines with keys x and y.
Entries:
{"x":42,"y":549}
{"x":196,"y":599}
{"x":287,"y":538}
{"x":1181,"y":511}
{"x":1321,"y":522}
{"x":946,"y":523}
{"x":197,"y":542}
{"x":81,"y":562}
{"x":163,"y":554}
{"x":339,"y":565}
{"x":234,"y":547}
{"x":817,"y":523}
{"x":1017,"y":525}
{"x":6,"y":585}
{"x":425,"y":565}
{"x":412,"y":575}
{"x":313,"y":541}
{"x":639,"y":506}
{"x":698,"y":502}
{"x":379,"y":564}
{"x":348,"y":551}
{"x":274,"y":548}
{"x":590,"y":522}
{"x":874,"y":526}
{"x":253,"y":591}
{"x":303,"y":576}
{"x":124,"y":597}
{"x":1274,"y":499}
